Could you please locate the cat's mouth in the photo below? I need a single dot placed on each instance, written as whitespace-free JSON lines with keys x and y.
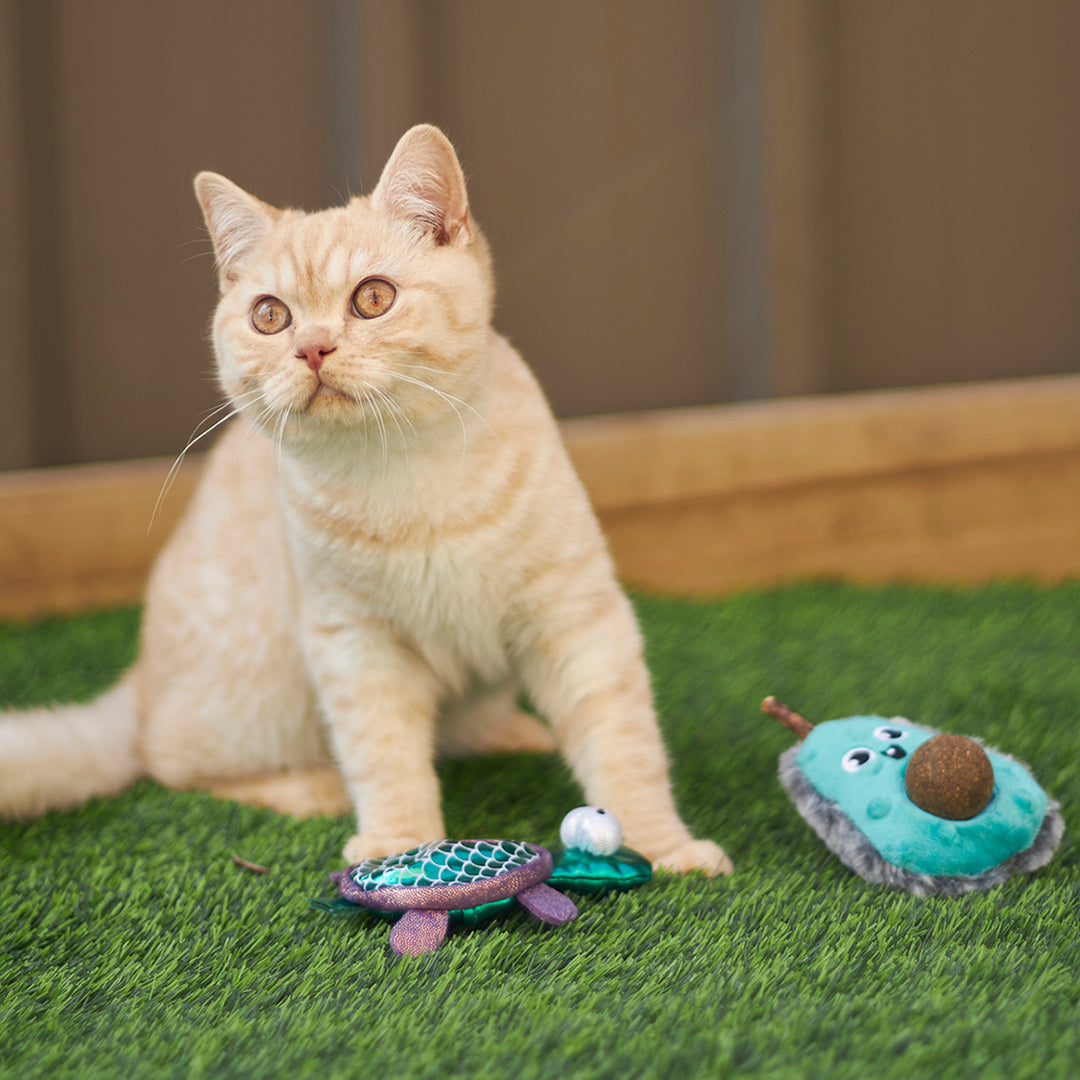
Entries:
{"x":324,"y":392}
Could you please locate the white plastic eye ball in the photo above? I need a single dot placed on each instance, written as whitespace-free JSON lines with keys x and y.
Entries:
{"x":856,"y":759}
{"x":588,"y":828}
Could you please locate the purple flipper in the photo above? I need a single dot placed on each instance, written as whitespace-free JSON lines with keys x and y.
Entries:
{"x":419,"y":932}
{"x":548,"y":904}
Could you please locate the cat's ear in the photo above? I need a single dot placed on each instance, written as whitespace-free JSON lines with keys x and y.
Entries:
{"x":235,"y":220}
{"x":423,"y":185}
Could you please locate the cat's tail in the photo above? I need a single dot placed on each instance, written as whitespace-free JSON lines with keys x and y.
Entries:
{"x":59,"y":757}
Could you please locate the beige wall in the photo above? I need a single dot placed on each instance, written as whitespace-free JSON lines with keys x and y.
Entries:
{"x":914,"y":168}
{"x":16,"y":424}
{"x":957,"y":152}
{"x":117,"y":267}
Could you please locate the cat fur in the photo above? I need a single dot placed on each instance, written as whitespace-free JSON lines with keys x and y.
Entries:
{"x":386,"y":545}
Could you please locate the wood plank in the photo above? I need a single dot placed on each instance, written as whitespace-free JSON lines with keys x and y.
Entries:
{"x":959,"y":524}
{"x":684,"y":453}
{"x":81,"y":537}
{"x":950,"y":484}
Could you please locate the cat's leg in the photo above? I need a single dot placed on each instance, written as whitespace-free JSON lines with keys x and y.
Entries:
{"x":318,"y":791}
{"x":582,"y":661}
{"x":380,"y":701}
{"x":491,"y":723}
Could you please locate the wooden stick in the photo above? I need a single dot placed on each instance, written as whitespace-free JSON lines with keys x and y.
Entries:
{"x":255,"y":868}
{"x":788,"y":717}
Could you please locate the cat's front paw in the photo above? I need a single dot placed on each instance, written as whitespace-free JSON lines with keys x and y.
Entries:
{"x":366,"y":846}
{"x":701,"y":855}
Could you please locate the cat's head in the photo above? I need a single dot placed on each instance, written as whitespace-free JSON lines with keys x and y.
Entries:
{"x":374,"y":312}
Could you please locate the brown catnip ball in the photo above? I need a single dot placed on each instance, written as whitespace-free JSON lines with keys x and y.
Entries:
{"x":951,"y":777}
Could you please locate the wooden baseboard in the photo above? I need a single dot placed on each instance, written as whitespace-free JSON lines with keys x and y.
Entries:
{"x":81,"y":537}
{"x":947,"y":484}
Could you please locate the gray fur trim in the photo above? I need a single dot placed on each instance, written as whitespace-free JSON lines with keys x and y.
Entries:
{"x":855,"y":851}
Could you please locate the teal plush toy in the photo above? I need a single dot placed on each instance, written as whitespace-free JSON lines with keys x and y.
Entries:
{"x":445,"y":883}
{"x":903,"y":805}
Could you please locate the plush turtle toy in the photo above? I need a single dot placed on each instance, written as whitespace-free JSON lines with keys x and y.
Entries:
{"x":467,"y":882}
{"x":907,"y":806}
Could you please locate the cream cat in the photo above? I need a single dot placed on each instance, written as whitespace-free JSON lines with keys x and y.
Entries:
{"x":383,"y":549}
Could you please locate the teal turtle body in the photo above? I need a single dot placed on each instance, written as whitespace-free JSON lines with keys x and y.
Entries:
{"x":589,"y":873}
{"x":466,"y":882}
{"x":428,"y":883}
{"x":444,"y":862}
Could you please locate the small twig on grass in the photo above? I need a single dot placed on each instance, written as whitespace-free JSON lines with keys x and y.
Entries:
{"x":255,"y":868}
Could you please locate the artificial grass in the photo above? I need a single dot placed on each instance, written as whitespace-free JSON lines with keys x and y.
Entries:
{"x":132,"y":945}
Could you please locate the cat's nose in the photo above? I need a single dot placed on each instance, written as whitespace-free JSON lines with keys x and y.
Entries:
{"x":315,"y":355}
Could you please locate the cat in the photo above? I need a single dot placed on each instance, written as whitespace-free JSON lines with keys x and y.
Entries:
{"x":387,"y":544}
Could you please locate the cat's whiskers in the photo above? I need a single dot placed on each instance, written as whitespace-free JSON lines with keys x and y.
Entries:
{"x":273,"y":405}
{"x":395,"y":411}
{"x":405,"y":416}
{"x":267,"y":411}
{"x":253,"y":427}
{"x":209,"y":414}
{"x":448,"y":397}
{"x":279,"y":439}
{"x":197,"y":255}
{"x":377,"y":413}
{"x":368,"y":411}
{"x":208,"y":248}
{"x":170,"y":478}
{"x":280,"y":411}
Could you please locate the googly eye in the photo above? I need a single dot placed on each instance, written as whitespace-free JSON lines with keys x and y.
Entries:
{"x":888,"y":733}
{"x":588,"y":828}
{"x":855,"y":759}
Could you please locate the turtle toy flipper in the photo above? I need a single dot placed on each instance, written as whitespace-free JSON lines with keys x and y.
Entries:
{"x":421,"y":930}
{"x":907,"y":806}
{"x":547,"y":904}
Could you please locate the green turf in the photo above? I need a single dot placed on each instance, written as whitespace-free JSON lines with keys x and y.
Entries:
{"x":131,"y":945}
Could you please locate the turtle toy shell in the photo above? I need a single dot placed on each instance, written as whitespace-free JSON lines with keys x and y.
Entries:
{"x":428,"y":882}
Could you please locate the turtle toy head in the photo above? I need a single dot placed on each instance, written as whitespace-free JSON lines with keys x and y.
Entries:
{"x":592,"y":859}
{"x":591,"y":829}
{"x":904,"y":805}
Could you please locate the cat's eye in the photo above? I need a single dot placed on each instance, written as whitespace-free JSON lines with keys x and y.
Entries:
{"x":373,"y":298}
{"x":270,"y":315}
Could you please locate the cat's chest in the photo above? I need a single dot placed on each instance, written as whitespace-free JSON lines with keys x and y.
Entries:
{"x":443,"y":584}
